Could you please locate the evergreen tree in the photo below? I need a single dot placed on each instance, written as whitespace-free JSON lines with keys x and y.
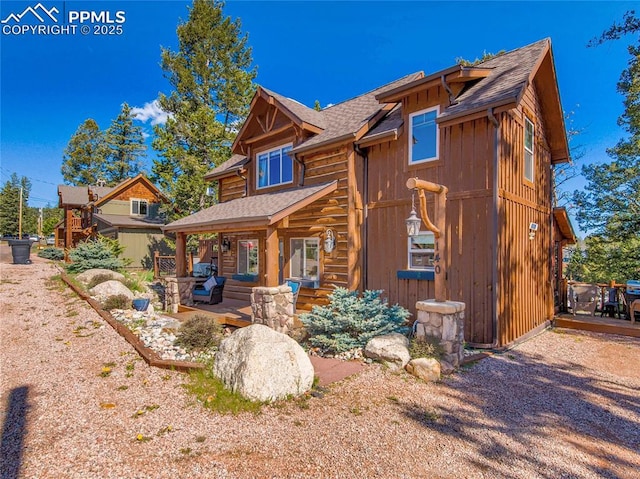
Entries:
{"x":10,"y":204}
{"x":84,"y":159}
{"x":213,"y":84}
{"x":126,"y":148}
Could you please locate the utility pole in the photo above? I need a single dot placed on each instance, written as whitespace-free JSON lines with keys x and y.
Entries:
{"x":40,"y":222}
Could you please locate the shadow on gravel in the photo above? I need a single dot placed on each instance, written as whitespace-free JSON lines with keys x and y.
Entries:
{"x":519,"y":402}
{"x":13,"y":432}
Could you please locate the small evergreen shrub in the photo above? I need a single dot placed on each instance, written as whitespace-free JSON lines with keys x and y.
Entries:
{"x":56,"y":254}
{"x":119,"y":301}
{"x":425,"y":347}
{"x":98,"y":279}
{"x":199,"y":333}
{"x":94,"y":254}
{"x":350,"y":321}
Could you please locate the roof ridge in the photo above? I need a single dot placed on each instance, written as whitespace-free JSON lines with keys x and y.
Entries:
{"x":420,"y":72}
{"x":510,"y":52}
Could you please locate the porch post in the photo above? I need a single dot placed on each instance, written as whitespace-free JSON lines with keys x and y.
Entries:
{"x":272,"y":253}
{"x":181,"y":258}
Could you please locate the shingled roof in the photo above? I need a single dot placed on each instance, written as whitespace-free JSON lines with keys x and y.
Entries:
{"x":236,"y":162}
{"x":79,"y":195}
{"x":124,"y":221}
{"x":256,"y":211}
{"x":304,"y":113}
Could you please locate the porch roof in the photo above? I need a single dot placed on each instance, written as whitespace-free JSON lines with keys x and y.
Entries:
{"x":251,"y":212}
{"x":125,"y":221}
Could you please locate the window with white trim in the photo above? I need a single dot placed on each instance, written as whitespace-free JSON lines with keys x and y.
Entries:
{"x":305,"y":254}
{"x":424,"y":135}
{"x":274,"y":167}
{"x":248,"y":262}
{"x":528,"y":150}
{"x":422,"y":250}
{"x":139,"y":207}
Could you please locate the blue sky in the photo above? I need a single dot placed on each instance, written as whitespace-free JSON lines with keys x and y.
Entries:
{"x":316,"y":50}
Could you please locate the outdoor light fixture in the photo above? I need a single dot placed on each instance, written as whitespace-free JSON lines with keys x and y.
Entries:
{"x":413,"y":222}
{"x":226,"y":245}
{"x":329,"y":241}
{"x":533,"y":227}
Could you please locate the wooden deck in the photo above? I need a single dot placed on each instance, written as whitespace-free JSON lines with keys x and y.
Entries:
{"x":598,"y":324}
{"x":230,"y":312}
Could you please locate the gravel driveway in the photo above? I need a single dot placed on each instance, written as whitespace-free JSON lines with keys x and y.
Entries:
{"x":564,"y":404}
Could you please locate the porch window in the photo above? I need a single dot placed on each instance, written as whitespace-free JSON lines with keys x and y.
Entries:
{"x":528,"y":150}
{"x":423,"y":137}
{"x":248,"y":256}
{"x":305,"y":258}
{"x":422,"y":251}
{"x":275,"y":167}
{"x":139,"y":207}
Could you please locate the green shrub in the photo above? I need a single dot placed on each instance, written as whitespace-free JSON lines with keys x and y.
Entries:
{"x":119,"y":301}
{"x":199,"y":333}
{"x":425,"y":347}
{"x":98,"y":279}
{"x":56,"y":254}
{"x":349,"y":321}
{"x":94,"y":254}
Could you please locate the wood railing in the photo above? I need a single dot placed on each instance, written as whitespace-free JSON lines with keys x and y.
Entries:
{"x":76,"y":223}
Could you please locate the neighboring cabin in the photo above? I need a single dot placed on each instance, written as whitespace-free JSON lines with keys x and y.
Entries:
{"x":321,"y":195}
{"x":128,"y":212}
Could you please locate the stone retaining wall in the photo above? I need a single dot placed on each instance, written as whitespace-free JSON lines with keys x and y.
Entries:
{"x":273,"y":307}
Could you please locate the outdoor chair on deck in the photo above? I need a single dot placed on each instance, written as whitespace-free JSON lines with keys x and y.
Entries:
{"x":210,"y":291}
{"x":583,"y":297}
{"x":612,"y":305}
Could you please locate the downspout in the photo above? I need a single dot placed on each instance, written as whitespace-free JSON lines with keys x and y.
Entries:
{"x":365,"y":215}
{"x":303,"y":168}
{"x":246,"y":186}
{"x":494,"y":255}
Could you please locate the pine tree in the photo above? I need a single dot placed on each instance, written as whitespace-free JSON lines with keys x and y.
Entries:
{"x":213,"y":84}
{"x":10,"y":203}
{"x":126,"y":148}
{"x":84,"y":159}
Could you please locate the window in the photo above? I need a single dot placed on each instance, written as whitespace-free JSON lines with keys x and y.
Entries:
{"x":304,"y":258}
{"x":139,"y":207}
{"x":528,"y":150}
{"x":421,"y":251}
{"x":423,"y":141}
{"x":248,"y":257}
{"x":275,"y":167}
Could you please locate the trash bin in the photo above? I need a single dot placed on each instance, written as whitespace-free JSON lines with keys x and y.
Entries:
{"x":20,"y":250}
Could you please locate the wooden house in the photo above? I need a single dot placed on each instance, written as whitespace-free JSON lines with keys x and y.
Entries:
{"x":128,"y":212}
{"x":321,"y":196}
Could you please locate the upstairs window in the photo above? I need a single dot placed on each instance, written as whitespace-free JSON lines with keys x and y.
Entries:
{"x":248,"y":256}
{"x":423,"y":137}
{"x":422,"y":251}
{"x":139,"y":207}
{"x":528,"y":150}
{"x":275,"y":167}
{"x":304,"y":258}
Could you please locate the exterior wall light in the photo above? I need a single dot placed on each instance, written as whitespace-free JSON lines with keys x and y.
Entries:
{"x":413,"y":222}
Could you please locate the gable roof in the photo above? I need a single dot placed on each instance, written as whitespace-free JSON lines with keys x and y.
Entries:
{"x":79,"y":195}
{"x":252,"y":212}
{"x":303,"y":112}
{"x":122,"y":186}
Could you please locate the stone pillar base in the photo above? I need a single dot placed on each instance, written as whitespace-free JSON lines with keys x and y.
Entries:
{"x":177,"y":292}
{"x":443,"y":320}
{"x":273,"y":307}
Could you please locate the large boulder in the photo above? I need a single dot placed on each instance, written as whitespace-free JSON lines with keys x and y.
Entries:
{"x":391,"y":349}
{"x":263,"y":365}
{"x":87,"y":276}
{"x":427,"y":369}
{"x":110,"y":288}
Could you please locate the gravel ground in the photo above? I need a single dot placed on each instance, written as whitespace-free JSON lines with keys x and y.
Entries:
{"x":564,"y":404}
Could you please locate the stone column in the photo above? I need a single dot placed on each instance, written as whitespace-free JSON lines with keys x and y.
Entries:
{"x":273,"y":307}
{"x":177,"y":291}
{"x":443,"y":320}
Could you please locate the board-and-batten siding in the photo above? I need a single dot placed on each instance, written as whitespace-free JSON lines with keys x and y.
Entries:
{"x":525,"y":290}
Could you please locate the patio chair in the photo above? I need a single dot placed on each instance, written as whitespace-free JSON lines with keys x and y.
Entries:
{"x":612,"y":305}
{"x":583,"y":297}
{"x":210,"y":291}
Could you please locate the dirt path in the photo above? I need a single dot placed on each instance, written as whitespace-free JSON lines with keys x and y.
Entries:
{"x":564,"y":404}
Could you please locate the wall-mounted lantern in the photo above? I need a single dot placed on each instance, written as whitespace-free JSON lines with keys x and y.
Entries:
{"x":413,"y":222}
{"x":226,"y":245}
{"x":329,"y":241}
